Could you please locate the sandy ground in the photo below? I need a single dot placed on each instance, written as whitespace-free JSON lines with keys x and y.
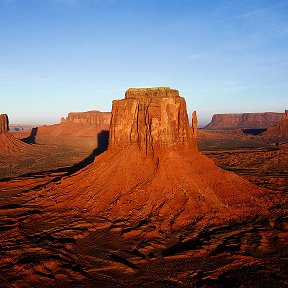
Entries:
{"x":49,"y":153}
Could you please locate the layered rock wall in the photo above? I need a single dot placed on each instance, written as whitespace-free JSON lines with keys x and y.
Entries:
{"x":245,"y":120}
{"x":4,"y":123}
{"x":279,"y":129}
{"x":89,"y":117}
{"x":89,"y":124}
{"x":150,"y":118}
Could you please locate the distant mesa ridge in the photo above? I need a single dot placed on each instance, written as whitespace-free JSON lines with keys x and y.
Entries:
{"x":244,"y":120}
{"x":89,"y":117}
{"x":88,"y":124}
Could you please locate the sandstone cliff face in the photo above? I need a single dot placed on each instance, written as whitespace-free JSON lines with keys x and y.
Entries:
{"x":4,"y":123}
{"x":281,"y":129}
{"x":89,"y":124}
{"x":245,"y":120}
{"x":89,"y":117}
{"x":150,"y":118}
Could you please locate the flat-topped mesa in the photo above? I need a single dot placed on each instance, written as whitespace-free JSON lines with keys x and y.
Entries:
{"x":80,"y":124}
{"x":244,"y":121}
{"x":157,"y":92}
{"x":89,"y":117}
{"x":151,"y":118}
{"x":4,"y":123}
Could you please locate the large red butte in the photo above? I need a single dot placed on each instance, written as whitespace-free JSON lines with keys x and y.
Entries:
{"x":153,"y":170}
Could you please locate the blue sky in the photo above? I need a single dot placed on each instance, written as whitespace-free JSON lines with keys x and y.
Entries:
{"x":58,"y":56}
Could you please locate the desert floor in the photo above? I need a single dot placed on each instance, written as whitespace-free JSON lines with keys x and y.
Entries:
{"x":55,"y":248}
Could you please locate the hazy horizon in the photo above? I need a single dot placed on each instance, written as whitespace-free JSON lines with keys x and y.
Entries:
{"x":62,"y":56}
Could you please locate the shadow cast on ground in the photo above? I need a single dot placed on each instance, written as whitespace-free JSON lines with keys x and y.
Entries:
{"x":253,"y":132}
{"x":31,"y":139}
{"x":102,"y":146}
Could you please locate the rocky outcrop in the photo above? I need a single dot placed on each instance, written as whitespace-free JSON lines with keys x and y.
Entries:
{"x":89,"y":124}
{"x":9,"y":145}
{"x":89,"y":117}
{"x":280,"y":129}
{"x":4,"y":123}
{"x":150,"y":118}
{"x":152,"y":173}
{"x":194,"y":123}
{"x":149,"y":93}
{"x":244,"y":121}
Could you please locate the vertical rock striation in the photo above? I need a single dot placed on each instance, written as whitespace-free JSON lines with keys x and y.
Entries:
{"x":151,"y":118}
{"x":194,"y":123}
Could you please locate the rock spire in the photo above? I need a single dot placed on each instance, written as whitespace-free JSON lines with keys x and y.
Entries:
{"x":4,"y":123}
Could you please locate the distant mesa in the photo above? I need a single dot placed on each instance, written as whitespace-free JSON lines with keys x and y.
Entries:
{"x":153,"y":171}
{"x":88,"y":123}
{"x":89,"y":117}
{"x":147,"y":93}
{"x":244,"y":121}
{"x":20,"y":128}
